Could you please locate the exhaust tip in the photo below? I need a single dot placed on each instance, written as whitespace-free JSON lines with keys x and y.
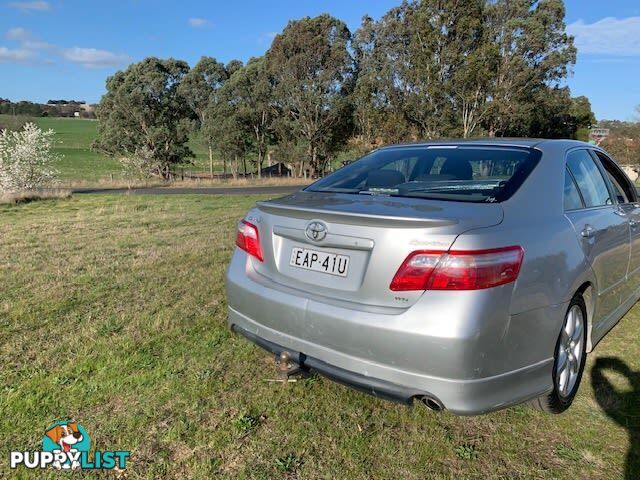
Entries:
{"x":432,"y":403}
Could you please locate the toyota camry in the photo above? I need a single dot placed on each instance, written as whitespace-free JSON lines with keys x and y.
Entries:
{"x":469,"y":275}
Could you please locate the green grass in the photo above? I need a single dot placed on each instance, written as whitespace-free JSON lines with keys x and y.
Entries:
{"x":112,"y":312}
{"x":74,"y":137}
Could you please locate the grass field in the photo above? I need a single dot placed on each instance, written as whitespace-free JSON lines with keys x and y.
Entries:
{"x":79,"y":164}
{"x":112,"y":313}
{"x":74,"y":137}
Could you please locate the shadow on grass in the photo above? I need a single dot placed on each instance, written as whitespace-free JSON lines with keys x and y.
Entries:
{"x":623,"y":407}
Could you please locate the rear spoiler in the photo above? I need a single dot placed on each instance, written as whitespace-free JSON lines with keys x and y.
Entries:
{"x":358,"y":218}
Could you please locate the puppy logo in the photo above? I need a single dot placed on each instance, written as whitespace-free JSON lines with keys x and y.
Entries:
{"x":65,"y":435}
{"x":68,"y":438}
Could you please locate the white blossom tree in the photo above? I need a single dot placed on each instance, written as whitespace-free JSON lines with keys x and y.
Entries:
{"x":26,"y":159}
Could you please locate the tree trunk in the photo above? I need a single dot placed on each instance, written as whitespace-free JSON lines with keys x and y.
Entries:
{"x":235,"y":169}
{"x":210,"y":160}
{"x":259,"y":144}
{"x":259,"y":162}
{"x":314,"y":161}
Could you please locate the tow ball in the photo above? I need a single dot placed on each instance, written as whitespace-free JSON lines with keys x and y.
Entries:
{"x":286,"y":368}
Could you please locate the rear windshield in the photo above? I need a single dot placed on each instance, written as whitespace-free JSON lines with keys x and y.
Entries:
{"x":457,"y":173}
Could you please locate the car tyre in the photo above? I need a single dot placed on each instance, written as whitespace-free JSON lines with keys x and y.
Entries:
{"x":569,"y":359}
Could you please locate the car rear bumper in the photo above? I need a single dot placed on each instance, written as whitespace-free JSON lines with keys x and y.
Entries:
{"x":372,"y":386}
{"x":472,"y":360}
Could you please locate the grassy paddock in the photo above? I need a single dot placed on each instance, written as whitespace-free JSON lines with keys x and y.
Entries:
{"x":82,"y":166}
{"x":112,"y":312}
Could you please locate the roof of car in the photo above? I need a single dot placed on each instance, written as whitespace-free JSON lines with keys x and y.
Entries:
{"x":503,"y":142}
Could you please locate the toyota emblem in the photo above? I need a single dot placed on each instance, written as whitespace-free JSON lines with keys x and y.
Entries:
{"x":316,"y":231}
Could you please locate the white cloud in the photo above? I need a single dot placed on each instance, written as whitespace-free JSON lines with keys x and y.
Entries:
{"x":26,"y":39}
{"x":609,"y":36}
{"x":17,"y":55}
{"x":94,"y":58}
{"x":30,"y":47}
{"x":267,"y":37}
{"x":35,"y":6}
{"x":198,"y":22}
{"x":19,"y":34}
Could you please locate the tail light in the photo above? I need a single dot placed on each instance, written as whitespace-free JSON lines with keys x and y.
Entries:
{"x":458,"y":270}
{"x":248,"y":239}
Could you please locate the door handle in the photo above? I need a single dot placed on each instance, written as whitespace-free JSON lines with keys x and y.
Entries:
{"x":587,"y":232}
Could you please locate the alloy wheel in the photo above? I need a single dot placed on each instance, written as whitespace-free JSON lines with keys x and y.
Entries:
{"x":570,"y":351}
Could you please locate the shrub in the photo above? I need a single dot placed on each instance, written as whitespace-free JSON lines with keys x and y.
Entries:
{"x":26,"y":159}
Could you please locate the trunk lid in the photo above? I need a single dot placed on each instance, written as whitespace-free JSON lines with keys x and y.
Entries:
{"x":374,"y":233}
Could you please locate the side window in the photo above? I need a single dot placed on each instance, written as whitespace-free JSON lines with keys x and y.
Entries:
{"x":624,"y":189}
{"x":572,"y":199}
{"x":619,"y":191}
{"x":590,"y":181}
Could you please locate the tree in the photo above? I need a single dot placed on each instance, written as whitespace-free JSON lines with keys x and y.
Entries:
{"x":427,"y":62}
{"x":143,"y":114}
{"x":200,"y":88}
{"x":378,"y":114}
{"x":229,"y":131}
{"x":250,"y":92}
{"x":535,"y":54}
{"x":26,"y":161}
{"x":313,"y":76}
{"x":583,"y":117}
{"x":454,"y":68}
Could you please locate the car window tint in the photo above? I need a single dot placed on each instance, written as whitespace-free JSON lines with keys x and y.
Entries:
{"x":621,"y":196}
{"x":403,"y":165}
{"x":589,"y":179}
{"x":623,"y":187}
{"x":465,"y":173}
{"x":572,"y":199}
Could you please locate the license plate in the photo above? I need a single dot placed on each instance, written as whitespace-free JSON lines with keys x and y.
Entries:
{"x":330,"y":263}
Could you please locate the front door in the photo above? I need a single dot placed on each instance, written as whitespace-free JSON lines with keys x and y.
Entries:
{"x":627,"y":197}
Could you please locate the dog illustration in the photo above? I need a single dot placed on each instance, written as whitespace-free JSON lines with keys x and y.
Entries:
{"x":66,"y":436}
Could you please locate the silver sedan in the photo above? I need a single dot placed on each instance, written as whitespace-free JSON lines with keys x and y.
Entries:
{"x":468,"y":275}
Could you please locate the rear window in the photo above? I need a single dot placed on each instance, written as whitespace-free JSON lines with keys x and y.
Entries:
{"x":455,"y":173}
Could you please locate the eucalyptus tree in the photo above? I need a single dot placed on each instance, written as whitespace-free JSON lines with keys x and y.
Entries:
{"x":535,"y":55}
{"x":453,"y":67}
{"x":200,"y":88}
{"x":250,"y":91}
{"x":426,"y":61}
{"x":142,"y":115}
{"x":313,"y":75}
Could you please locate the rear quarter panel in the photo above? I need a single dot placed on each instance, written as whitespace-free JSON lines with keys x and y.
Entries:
{"x":554,"y":266}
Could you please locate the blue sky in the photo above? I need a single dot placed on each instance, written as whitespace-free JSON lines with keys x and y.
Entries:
{"x":66,"y":48}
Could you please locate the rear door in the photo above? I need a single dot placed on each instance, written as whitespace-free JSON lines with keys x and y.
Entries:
{"x":627,"y":199}
{"x":602,"y":228}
